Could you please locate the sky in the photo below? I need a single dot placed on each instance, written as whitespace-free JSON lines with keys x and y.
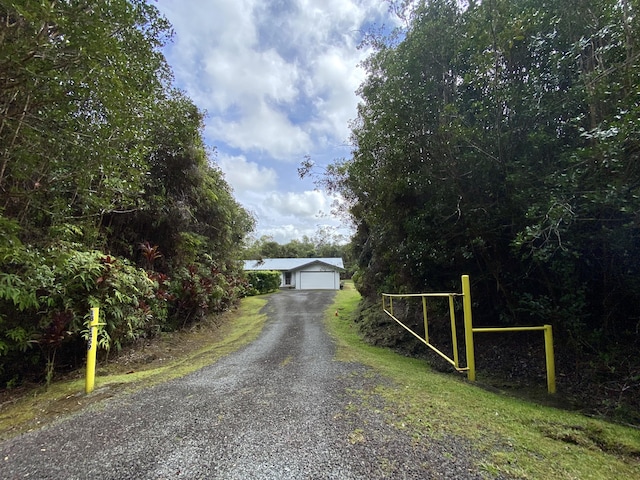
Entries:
{"x":277,"y":80}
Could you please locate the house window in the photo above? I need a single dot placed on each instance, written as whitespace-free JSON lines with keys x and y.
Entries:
{"x":287,"y":278}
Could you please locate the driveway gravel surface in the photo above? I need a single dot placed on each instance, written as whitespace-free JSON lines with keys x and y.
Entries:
{"x":280,"y":408}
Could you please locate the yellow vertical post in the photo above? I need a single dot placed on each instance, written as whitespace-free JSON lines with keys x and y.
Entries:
{"x":468,"y":328}
{"x":92,"y":347}
{"x":551,"y":363}
{"x":424,"y":315}
{"x":454,"y":335}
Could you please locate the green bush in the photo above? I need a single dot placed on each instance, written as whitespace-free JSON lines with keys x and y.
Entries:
{"x":262,"y":282}
{"x":133,"y":302}
{"x":198,"y":290}
{"x":46,"y":295}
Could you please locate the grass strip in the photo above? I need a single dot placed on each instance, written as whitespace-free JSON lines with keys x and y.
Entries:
{"x":513,"y":437}
{"x":187,"y":352}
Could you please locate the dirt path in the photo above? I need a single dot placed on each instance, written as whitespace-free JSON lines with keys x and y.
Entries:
{"x":281,"y":408}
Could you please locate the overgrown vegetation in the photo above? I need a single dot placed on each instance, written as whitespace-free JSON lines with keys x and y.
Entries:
{"x":501,"y":139}
{"x":108,"y":195}
{"x":510,"y":436}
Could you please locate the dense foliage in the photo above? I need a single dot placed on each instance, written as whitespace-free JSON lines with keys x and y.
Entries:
{"x":263,"y":281}
{"x":107,"y":194}
{"x":501,"y":139}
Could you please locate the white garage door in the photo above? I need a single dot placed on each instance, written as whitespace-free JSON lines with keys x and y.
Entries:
{"x":317,"y":281}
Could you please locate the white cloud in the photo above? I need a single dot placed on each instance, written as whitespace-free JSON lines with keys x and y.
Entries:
{"x":309,"y":204}
{"x":245,"y":176}
{"x":331,"y":22}
{"x":289,"y":215}
{"x":335,"y":80}
{"x":245,"y":76}
{"x":285,"y":233}
{"x":273,"y":77}
{"x":266,"y":129}
{"x":277,"y":80}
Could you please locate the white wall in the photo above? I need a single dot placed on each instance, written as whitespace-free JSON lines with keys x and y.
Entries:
{"x":297,"y":274}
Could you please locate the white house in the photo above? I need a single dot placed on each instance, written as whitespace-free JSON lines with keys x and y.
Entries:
{"x":302,"y":273}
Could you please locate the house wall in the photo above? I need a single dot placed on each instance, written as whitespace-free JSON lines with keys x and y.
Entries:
{"x":303,"y":272}
{"x":296,"y":277}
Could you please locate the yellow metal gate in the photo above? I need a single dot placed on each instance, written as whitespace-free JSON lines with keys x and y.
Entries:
{"x":469,"y":330}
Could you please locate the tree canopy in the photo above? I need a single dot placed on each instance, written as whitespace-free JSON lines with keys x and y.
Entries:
{"x":108,"y":195}
{"x":325,"y":243}
{"x":501,"y":139}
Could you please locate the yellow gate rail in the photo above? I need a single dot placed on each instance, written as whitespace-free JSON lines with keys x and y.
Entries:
{"x":388,"y":309}
{"x":469,"y":330}
{"x":548,"y":348}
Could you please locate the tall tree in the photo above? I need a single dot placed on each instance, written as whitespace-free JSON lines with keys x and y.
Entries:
{"x":79,"y":80}
{"x":500,"y":139}
{"x":102,"y":167}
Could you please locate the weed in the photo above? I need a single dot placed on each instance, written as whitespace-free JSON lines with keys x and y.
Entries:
{"x":357,"y":436}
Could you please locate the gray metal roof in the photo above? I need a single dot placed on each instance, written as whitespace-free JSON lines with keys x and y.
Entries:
{"x":287,"y":264}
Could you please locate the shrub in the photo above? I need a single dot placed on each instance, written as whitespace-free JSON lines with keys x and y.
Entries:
{"x":45,"y":297}
{"x":200,"y":289}
{"x":262,"y":282}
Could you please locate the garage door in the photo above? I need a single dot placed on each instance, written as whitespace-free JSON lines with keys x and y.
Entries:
{"x":317,"y":281}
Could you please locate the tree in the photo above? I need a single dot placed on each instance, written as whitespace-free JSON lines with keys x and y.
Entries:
{"x":325,"y":243}
{"x":108,"y":194}
{"x":70,"y":67}
{"x":499,"y":139}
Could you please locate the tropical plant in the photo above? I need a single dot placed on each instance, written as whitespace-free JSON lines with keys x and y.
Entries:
{"x":263,"y":281}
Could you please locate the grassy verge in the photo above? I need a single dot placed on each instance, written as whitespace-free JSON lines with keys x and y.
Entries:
{"x":512,"y":436}
{"x":173,"y":356}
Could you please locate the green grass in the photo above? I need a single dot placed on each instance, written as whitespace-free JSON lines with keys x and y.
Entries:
{"x":512,"y":436}
{"x":243,"y":329}
{"x":42,"y":405}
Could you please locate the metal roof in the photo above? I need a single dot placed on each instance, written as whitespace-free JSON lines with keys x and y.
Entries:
{"x":287,"y":264}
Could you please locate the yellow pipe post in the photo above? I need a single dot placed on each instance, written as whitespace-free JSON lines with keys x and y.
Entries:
{"x":424,"y":314}
{"x":92,"y":347}
{"x":454,"y":336}
{"x":468,"y":328}
{"x":551,"y":364}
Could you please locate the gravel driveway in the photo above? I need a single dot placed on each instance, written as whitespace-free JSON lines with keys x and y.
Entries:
{"x":280,"y":408}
